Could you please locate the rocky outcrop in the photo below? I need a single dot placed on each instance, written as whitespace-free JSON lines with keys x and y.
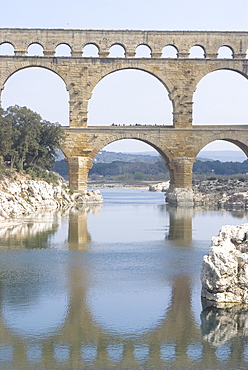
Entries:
{"x":224,"y":274}
{"x":23,"y":197}
{"x":161,"y":186}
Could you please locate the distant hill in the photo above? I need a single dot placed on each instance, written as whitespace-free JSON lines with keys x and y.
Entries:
{"x":151,"y":156}
{"x":108,"y":157}
{"x":222,"y":156}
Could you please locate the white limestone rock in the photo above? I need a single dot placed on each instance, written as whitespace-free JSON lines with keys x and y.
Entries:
{"x":24,"y":197}
{"x":224,"y":274}
{"x":161,"y":186}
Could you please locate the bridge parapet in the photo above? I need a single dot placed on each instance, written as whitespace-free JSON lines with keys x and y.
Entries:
{"x":183,"y":41}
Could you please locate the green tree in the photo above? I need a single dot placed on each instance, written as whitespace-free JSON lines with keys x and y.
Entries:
{"x":30,"y":139}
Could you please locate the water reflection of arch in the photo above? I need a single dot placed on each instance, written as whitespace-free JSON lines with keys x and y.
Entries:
{"x":170,"y":341}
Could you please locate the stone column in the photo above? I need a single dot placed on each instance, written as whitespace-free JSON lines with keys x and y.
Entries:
{"x":211,"y":55}
{"x":239,"y":56}
{"x":180,"y":191}
{"x":79,"y":92}
{"x":103,"y":53}
{"x":49,"y":53}
{"x":20,"y":52}
{"x":182,"y":98}
{"x":156,"y":54}
{"x":130,"y":53}
{"x":183,"y":54}
{"x":182,"y":169}
{"x":78,"y":172}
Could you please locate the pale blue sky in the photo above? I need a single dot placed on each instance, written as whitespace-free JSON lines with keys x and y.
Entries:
{"x":122,"y":14}
{"x":128,"y":14}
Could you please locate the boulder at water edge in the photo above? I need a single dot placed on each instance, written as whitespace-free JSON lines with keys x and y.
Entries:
{"x":224,"y":274}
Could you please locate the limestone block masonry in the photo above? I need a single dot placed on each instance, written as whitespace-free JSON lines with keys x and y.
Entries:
{"x":178,"y":144}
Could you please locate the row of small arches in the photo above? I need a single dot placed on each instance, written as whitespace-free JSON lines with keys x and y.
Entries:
{"x":117,"y":51}
{"x":115,"y":352}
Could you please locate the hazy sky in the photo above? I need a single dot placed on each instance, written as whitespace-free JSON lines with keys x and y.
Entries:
{"x":129,"y":96}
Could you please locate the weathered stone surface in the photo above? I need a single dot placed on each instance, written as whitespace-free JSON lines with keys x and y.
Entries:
{"x":225,"y":194}
{"x":23,"y":197}
{"x":224,"y":274}
{"x":180,"y":196}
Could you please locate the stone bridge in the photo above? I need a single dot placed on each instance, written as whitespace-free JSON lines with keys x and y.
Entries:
{"x":177,"y":144}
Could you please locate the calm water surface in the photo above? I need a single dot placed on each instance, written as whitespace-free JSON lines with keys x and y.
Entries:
{"x":115,"y":286}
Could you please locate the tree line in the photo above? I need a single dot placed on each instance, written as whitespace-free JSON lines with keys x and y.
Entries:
{"x":158,"y":167}
{"x":220,"y":168}
{"x":154,"y":171}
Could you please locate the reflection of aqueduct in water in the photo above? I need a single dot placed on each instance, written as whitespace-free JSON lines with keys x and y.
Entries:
{"x":170,"y":340}
{"x":178,"y":145}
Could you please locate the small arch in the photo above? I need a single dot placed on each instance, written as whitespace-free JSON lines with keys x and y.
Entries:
{"x":63,"y":50}
{"x":197,"y":51}
{"x":91,"y":50}
{"x":170,"y":51}
{"x":225,"y":52}
{"x":6,"y":48}
{"x":35,"y":49}
{"x":117,"y":51}
{"x":143,"y":51}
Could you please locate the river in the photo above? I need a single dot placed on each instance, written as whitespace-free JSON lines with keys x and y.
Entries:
{"x":115,"y":286}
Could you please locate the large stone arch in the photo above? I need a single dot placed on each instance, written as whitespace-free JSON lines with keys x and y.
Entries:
{"x":114,"y":68}
{"x":41,"y":90}
{"x":143,"y":67}
{"x":72,"y":81}
{"x":16,"y":67}
{"x":211,"y":74}
{"x":223,"y":66}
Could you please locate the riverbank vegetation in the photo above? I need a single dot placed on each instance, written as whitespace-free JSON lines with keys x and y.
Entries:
{"x":28,"y":143}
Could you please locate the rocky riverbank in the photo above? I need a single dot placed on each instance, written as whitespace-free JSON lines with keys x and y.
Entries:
{"x":221,"y":193}
{"x":217,"y":193}
{"x":24,"y":196}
